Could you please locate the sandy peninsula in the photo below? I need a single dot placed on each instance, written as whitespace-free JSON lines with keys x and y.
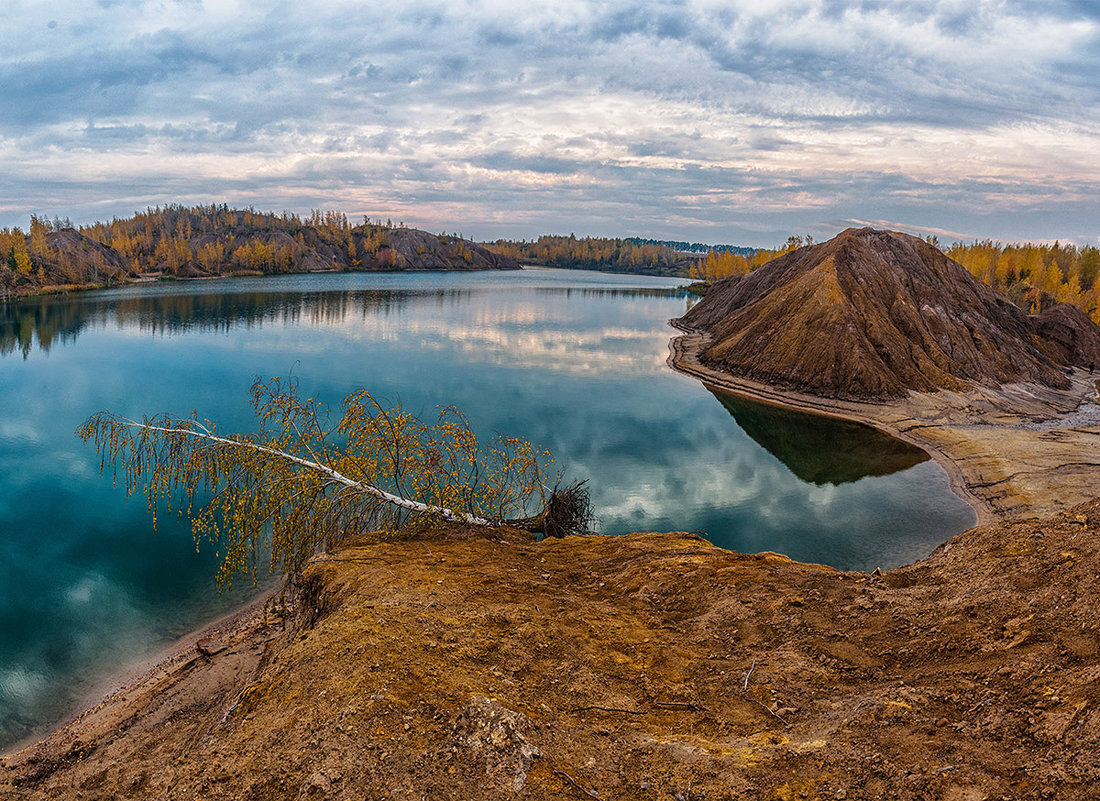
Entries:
{"x":1018,"y":451}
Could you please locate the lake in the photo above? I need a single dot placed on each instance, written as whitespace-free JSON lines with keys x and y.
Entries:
{"x":571,"y":360}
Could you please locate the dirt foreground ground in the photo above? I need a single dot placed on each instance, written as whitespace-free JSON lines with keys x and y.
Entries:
{"x":648,"y":666}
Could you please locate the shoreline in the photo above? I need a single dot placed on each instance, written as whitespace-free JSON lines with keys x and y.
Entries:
{"x":56,"y":290}
{"x":163,"y":662}
{"x":1036,"y":470}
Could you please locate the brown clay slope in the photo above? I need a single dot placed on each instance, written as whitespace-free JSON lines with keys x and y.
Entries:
{"x":71,"y":259}
{"x":649,"y":666}
{"x":869,"y":315}
{"x":1068,"y":335}
{"x":75,"y":259}
{"x":414,"y":249}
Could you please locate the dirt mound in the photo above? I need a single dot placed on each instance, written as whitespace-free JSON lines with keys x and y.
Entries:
{"x":870,"y":315}
{"x":234,"y":243}
{"x":1068,"y":335}
{"x":413,"y":249}
{"x":73,"y":258}
{"x":648,"y":666}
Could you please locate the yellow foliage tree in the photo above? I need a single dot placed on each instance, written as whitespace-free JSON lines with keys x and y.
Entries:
{"x":300,"y":484}
{"x":20,"y":257}
{"x":1034,"y":275}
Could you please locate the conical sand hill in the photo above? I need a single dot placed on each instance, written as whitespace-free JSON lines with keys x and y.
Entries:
{"x":871,"y":315}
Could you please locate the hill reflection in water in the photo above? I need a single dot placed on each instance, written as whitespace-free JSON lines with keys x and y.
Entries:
{"x":44,"y":322}
{"x":48,"y":321}
{"x":817,"y":449}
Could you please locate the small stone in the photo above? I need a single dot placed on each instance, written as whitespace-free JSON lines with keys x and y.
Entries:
{"x":497,"y":738}
{"x":316,"y":788}
{"x":208,"y":646}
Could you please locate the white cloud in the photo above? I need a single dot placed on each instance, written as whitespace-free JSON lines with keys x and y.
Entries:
{"x":699,"y":120}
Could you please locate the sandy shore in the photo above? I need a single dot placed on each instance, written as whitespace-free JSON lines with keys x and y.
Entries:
{"x":1017,"y":452}
{"x":163,"y":665}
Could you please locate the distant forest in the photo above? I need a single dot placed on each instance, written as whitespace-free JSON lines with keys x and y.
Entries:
{"x":631,"y":254}
{"x":693,"y":247}
{"x":206,"y":241}
{"x":597,"y":253}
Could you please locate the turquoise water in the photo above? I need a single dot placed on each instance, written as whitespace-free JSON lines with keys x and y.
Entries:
{"x":574,"y":361}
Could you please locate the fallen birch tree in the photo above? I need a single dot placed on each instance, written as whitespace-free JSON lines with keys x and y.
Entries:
{"x":302,"y":483}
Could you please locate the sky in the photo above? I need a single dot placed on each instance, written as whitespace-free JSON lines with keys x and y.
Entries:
{"x":734,"y":121}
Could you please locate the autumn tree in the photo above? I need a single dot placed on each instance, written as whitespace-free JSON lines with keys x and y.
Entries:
{"x":18,"y":258}
{"x":302,"y":482}
{"x":597,"y":253}
{"x":39,"y":228}
{"x":723,"y":263}
{"x":1035,"y":275}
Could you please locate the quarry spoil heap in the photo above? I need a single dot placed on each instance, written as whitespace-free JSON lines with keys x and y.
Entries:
{"x":872,"y":315}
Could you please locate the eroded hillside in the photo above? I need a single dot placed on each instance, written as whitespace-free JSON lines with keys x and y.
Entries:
{"x":208,"y":241}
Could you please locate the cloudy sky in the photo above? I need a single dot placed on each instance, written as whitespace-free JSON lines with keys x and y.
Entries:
{"x":720,"y":121}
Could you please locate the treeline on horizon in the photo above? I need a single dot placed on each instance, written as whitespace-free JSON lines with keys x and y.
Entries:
{"x":198,"y":241}
{"x":631,"y":254}
{"x":185,"y":242}
{"x":628,"y":255}
{"x":693,"y":247}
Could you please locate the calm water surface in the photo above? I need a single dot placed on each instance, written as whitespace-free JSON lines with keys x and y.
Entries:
{"x":571,"y":360}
